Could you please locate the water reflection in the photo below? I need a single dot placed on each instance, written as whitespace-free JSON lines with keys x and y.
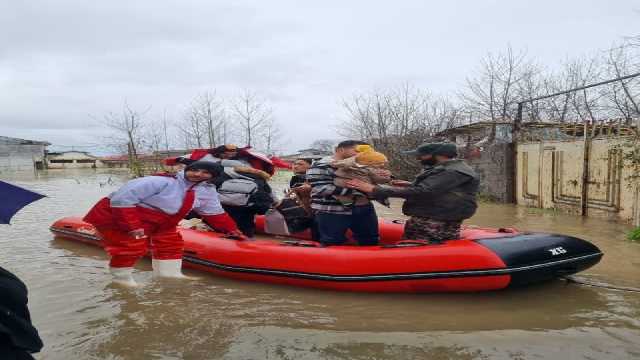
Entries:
{"x":564,"y":304}
{"x":582,"y":343}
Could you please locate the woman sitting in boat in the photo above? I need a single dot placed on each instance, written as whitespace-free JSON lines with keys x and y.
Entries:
{"x":245,"y":193}
{"x":243,"y":186}
{"x":145,"y":212}
{"x":439,"y":199}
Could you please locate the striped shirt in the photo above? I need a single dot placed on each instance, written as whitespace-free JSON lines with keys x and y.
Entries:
{"x":321,"y":176}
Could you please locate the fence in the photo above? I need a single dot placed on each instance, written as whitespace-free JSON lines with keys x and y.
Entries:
{"x":584,"y":169}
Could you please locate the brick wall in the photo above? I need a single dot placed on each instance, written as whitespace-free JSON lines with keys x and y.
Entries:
{"x":495,"y":168}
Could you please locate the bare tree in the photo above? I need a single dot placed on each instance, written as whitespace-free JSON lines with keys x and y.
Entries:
{"x":327,"y":145}
{"x":501,"y":81}
{"x":210,"y":109}
{"x":127,"y":134}
{"x":204,"y":122}
{"x":252,"y":114}
{"x":271,"y":135}
{"x":580,"y":72}
{"x":193,"y":129}
{"x":397,"y":120}
{"x":154,"y":136}
{"x":623,"y":96}
{"x":555,"y":108}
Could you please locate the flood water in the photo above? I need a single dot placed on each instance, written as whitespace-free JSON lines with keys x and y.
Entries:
{"x":80,"y":315}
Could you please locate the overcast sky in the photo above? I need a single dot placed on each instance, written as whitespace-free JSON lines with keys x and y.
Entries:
{"x":65,"y":63}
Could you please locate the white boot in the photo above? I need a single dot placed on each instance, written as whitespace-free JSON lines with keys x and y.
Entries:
{"x":123,"y":276}
{"x":169,"y":269}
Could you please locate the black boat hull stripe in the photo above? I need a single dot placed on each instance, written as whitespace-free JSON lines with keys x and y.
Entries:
{"x":376,"y":277}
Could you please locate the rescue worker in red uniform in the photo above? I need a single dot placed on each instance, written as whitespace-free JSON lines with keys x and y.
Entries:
{"x":144,"y":214}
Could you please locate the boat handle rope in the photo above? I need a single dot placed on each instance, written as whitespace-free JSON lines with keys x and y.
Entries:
{"x":408,"y":243}
{"x":580,"y":281}
{"x":301,"y":243}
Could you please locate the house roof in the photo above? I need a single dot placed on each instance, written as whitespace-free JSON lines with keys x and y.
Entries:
{"x":613,"y":126}
{"x":68,"y":152}
{"x":17,"y":141}
{"x":472,"y":127}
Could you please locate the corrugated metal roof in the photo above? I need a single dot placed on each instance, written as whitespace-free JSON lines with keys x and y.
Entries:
{"x":16,"y":141}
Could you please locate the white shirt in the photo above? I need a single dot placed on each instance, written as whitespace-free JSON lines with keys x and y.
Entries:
{"x":167,"y":194}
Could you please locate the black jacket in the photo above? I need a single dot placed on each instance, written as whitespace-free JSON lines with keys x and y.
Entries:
{"x":18,"y":337}
{"x":297,"y":180}
{"x":445,"y":192}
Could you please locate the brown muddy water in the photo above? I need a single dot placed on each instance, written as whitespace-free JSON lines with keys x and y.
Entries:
{"x":81,"y":316}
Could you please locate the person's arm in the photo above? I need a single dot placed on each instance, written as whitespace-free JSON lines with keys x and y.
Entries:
{"x":125,"y":200}
{"x":321,"y":181}
{"x":213,"y":214}
{"x":222,"y":223}
{"x":434,"y":184}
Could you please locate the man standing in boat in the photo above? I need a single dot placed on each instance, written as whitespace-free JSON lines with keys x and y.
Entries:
{"x":332,"y":217}
{"x":145,"y":212}
{"x":300,"y":167}
{"x":440,"y":197}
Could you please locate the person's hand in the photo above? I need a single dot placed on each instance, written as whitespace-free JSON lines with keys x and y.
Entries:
{"x":382,"y":172}
{"x":238,"y":235}
{"x":401,"y":183}
{"x":137,"y":234}
{"x":302,"y":189}
{"x":363,"y":186}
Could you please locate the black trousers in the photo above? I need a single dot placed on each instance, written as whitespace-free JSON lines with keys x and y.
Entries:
{"x":244,"y":218}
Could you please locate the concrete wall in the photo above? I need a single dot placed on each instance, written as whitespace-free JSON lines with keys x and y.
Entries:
{"x":494,"y":166}
{"x":550,"y":176}
{"x":20,"y":157}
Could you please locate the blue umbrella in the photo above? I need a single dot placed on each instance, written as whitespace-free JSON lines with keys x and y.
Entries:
{"x":14,"y":198}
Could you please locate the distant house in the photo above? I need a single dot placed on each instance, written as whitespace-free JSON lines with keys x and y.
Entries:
{"x":20,"y":154}
{"x":313,"y":154}
{"x":152,"y":161}
{"x":72,"y":160}
{"x":115,"y":161}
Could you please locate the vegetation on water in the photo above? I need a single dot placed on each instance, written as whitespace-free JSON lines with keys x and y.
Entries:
{"x":634,"y":235}
{"x":487,"y":198}
{"x":631,"y":157}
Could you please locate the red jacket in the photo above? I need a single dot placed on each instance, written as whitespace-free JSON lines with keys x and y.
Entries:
{"x":256,"y":160}
{"x":129,"y":218}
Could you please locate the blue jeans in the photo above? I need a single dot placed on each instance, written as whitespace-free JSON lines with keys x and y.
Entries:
{"x":363,"y":223}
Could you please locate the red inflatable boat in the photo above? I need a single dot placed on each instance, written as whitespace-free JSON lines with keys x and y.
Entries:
{"x":483,"y":259}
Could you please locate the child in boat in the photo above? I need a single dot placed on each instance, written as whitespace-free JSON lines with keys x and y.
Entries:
{"x":368,"y":165}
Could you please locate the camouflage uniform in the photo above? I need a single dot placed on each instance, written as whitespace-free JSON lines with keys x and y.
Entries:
{"x":436,"y":231}
{"x":439,"y":199}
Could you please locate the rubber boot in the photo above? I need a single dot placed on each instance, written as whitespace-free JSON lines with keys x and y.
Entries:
{"x":123,"y":276}
{"x":171,"y":269}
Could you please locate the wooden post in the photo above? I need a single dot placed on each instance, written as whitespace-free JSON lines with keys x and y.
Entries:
{"x":636,"y":207}
{"x":584,"y":199}
{"x":515,"y":134}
